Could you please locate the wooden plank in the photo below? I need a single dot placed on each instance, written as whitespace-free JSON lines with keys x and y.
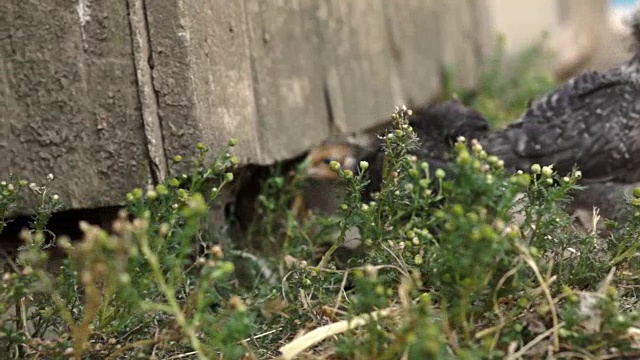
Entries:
{"x":72,"y":107}
{"x":287,"y":75}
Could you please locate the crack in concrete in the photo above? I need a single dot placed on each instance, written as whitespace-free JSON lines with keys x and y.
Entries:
{"x":141,"y":45}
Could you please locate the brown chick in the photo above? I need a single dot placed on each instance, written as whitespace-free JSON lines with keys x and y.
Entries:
{"x":319,"y":160}
{"x":324,"y":190}
{"x":322,"y":181}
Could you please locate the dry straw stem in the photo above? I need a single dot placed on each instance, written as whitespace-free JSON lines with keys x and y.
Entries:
{"x":533,"y":342}
{"x":311,"y":338}
{"x":526,"y":256}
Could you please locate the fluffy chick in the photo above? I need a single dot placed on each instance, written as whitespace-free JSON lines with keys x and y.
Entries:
{"x":319,"y":159}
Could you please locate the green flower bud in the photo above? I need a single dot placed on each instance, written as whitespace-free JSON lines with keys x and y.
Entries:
{"x":152,"y":195}
{"x":334,"y":165}
{"x":162,"y":189}
{"x":535,"y":169}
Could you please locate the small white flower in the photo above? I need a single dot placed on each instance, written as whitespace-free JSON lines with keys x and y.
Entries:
{"x":33,"y":186}
{"x":152,"y":194}
{"x":10,"y":187}
{"x":55,"y":197}
{"x":50,"y":177}
{"x":477,"y":147}
{"x":124,"y":278}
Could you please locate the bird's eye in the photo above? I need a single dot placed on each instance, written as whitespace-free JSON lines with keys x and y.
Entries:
{"x":328,"y":160}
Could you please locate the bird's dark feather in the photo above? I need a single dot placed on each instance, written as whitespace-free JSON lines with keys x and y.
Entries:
{"x":593,"y":122}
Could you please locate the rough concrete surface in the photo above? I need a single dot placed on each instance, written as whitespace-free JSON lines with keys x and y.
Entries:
{"x":72,"y":103}
{"x":287,"y":76}
{"x":358,"y":68}
{"x":202,"y":76}
{"x":104,"y":94}
{"x":458,"y":31}
{"x":412,"y":51}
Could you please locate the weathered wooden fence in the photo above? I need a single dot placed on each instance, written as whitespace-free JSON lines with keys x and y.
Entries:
{"x":104,"y":93}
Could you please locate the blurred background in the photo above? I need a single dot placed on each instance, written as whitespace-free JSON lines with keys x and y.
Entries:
{"x":583,"y":34}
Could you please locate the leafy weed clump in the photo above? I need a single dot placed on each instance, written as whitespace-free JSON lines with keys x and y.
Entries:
{"x":142,"y":288}
{"x":480,"y":264}
{"x":468,"y":262}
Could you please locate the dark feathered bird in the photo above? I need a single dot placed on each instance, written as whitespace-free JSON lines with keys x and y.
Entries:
{"x":592,"y":122}
{"x":437,"y":126}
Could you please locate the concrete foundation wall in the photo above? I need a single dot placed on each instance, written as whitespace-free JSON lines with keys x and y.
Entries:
{"x":103,"y":93}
